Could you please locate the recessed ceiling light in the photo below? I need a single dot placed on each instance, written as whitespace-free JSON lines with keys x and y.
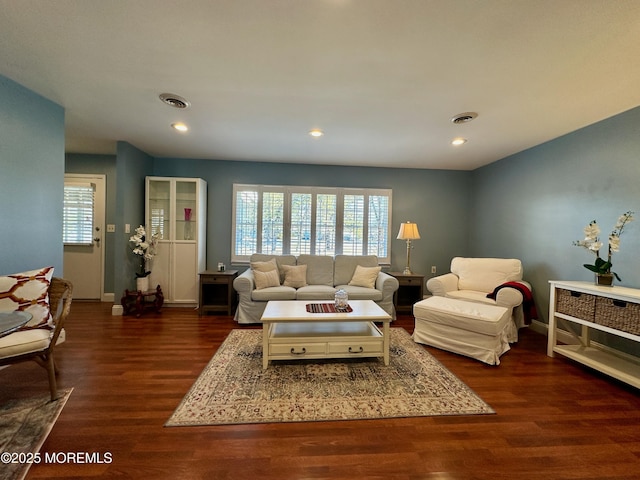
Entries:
{"x":316,"y":132}
{"x":174,"y":100}
{"x":181,"y":127}
{"x":458,"y":141}
{"x":465,"y":117}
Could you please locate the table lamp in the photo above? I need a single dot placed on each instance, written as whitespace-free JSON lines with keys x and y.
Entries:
{"x":408,"y":231}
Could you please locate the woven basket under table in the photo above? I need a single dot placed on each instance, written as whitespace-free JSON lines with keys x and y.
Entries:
{"x":576,"y":304}
{"x":618,"y":314}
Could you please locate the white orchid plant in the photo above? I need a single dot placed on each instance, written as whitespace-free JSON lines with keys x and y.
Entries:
{"x":592,"y":243}
{"x":145,"y":247}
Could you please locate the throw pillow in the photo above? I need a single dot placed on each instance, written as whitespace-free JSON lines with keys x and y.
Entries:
{"x":295,"y":275}
{"x":365,"y":276}
{"x":266,"y":279}
{"x":27,"y":291}
{"x":264,"y":266}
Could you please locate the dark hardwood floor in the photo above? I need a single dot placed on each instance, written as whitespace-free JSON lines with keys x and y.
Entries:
{"x":555,"y":419}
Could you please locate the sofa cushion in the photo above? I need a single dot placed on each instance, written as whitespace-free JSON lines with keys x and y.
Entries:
{"x":362,"y":293}
{"x":316,"y":292}
{"x":485,"y":274}
{"x":274,"y":293}
{"x":365,"y":276}
{"x":280,"y":260}
{"x":295,"y":275}
{"x":27,"y":291}
{"x":264,"y":266}
{"x":319,"y":269}
{"x":345,"y":266}
{"x":267,"y":279}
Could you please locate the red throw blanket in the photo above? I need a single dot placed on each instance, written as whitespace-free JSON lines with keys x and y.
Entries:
{"x":528,"y":307}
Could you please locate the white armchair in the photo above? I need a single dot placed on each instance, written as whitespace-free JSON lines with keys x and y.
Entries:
{"x":473,"y":279}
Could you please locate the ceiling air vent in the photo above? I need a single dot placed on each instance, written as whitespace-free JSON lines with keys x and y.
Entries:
{"x":465,"y":117}
{"x":175,"y":101}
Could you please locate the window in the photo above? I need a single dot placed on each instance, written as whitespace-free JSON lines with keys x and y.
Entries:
{"x":310,"y":220}
{"x":77,"y":218}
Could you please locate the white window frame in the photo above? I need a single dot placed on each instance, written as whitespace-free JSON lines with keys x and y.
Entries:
{"x":287,"y":191}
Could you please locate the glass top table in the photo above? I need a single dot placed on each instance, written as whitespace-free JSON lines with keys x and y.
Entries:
{"x":12,"y":321}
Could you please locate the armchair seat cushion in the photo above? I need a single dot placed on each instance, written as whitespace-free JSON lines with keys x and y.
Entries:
{"x":27,"y":341}
{"x":471,"y":295}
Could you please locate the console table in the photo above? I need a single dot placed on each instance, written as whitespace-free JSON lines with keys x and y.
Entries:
{"x":614,"y":310}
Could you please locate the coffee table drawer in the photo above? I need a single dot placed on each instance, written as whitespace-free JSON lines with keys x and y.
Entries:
{"x":355,"y":347}
{"x":297,"y":350}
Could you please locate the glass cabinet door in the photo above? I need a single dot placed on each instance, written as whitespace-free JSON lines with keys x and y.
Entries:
{"x":186,"y":215}
{"x":160,"y":208}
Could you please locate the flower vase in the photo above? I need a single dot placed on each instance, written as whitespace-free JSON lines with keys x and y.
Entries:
{"x":604,"y":279}
{"x":188,"y":234}
{"x":142,"y":284}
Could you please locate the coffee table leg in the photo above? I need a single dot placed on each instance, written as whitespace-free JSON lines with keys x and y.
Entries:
{"x":385,"y":340}
{"x":265,"y":345}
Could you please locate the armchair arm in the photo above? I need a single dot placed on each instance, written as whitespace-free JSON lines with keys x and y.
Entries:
{"x":442,"y":284}
{"x":511,"y":297}
{"x":245,"y":282}
{"x":387,"y":285}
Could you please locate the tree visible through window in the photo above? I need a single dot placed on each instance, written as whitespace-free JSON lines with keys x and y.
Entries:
{"x":310,"y":220}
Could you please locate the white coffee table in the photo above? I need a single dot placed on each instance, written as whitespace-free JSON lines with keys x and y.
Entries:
{"x":290,"y":332}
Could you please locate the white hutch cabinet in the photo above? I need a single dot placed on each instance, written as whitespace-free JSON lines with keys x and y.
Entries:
{"x":176,"y":210}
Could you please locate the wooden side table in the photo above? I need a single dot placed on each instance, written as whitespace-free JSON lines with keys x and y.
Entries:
{"x":140,"y":301}
{"x":216,"y":292}
{"x":410,"y":291}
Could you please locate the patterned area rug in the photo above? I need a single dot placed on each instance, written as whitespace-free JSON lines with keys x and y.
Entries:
{"x":234,"y":389}
{"x":24,"y":426}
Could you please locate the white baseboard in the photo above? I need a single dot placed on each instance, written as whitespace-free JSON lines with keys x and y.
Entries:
{"x":543,"y":329}
{"x":108,"y":297}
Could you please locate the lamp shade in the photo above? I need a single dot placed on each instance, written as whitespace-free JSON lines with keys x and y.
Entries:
{"x":408,"y":231}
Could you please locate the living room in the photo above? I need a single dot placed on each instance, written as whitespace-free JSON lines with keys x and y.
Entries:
{"x":531,"y":205}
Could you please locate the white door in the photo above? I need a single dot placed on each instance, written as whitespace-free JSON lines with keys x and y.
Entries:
{"x":84,"y":255}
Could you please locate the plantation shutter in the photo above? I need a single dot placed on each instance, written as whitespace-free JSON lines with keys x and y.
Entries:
{"x":77,"y":219}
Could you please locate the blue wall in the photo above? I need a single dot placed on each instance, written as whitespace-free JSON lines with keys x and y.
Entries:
{"x":31,"y":180}
{"x":437,"y":200}
{"x":533,"y":205}
{"x":132,"y":166}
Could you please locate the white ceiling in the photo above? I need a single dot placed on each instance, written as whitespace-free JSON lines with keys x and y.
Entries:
{"x":382,"y":78}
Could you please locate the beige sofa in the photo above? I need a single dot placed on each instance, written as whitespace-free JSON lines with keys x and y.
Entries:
{"x":324,"y":276}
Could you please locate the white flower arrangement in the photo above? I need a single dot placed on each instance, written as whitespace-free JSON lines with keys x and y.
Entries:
{"x":145,"y":247}
{"x":592,"y":243}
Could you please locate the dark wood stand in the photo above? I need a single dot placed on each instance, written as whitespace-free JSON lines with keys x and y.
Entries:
{"x":410,"y":291}
{"x":138,"y":301}
{"x":217,"y":293}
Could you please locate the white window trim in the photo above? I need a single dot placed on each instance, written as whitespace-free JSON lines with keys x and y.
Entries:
{"x":288,"y":191}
